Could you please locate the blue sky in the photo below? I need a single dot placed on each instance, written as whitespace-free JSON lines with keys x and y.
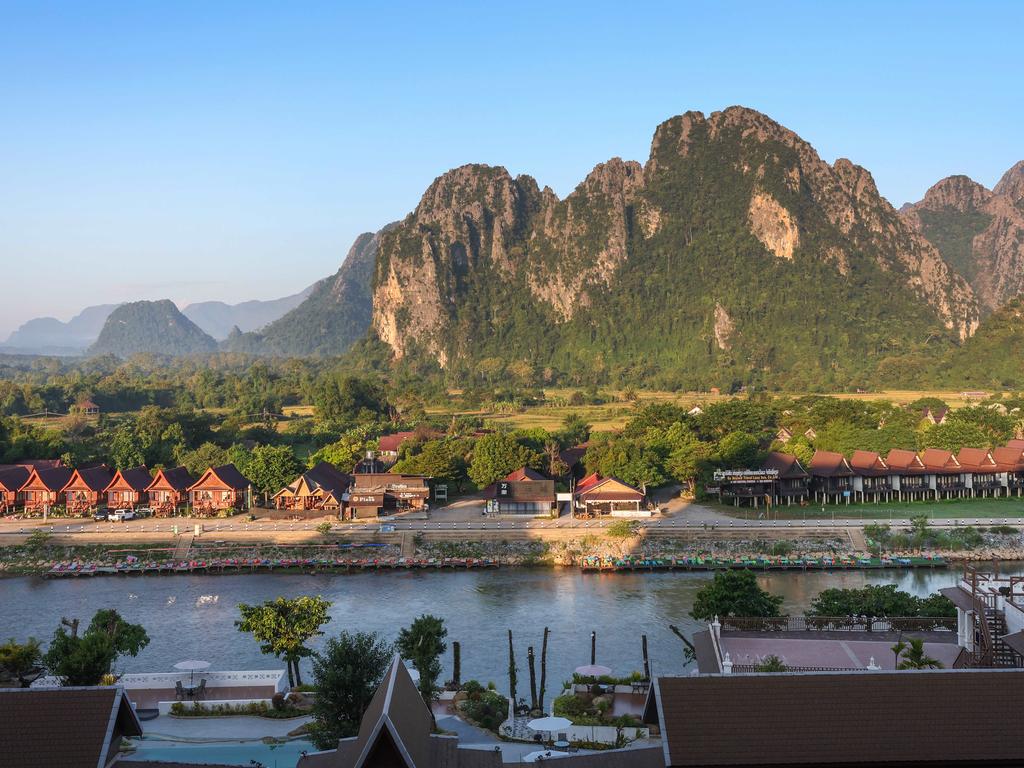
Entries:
{"x":232,"y":151}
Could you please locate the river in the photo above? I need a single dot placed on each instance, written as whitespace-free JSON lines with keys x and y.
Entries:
{"x":192,"y":616}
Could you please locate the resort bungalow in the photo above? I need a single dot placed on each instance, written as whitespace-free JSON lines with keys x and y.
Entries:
{"x":11,"y":479}
{"x":523,"y":492}
{"x":84,"y":490}
{"x":980,"y":472}
{"x":128,"y":488}
{"x":945,"y":474}
{"x":1010,"y":463}
{"x":831,"y":477}
{"x":792,"y":481}
{"x":168,"y":491}
{"x":872,"y":477}
{"x":324,"y":487}
{"x":220,"y":489}
{"x":42,"y":488}
{"x":784,"y":435}
{"x":595,"y":496}
{"x":908,"y":476}
{"x":378,"y":494}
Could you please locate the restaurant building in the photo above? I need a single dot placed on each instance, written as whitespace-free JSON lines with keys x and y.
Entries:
{"x":781,"y":479}
{"x":596,"y":496}
{"x":376,"y":494}
{"x":128,"y":488}
{"x":168,"y":491}
{"x":220,"y":489}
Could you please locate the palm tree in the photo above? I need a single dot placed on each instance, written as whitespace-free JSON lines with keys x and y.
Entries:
{"x":913,"y":656}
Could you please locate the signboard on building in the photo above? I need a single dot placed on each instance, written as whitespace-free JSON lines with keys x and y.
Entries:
{"x":746,"y":475}
{"x":504,"y":488}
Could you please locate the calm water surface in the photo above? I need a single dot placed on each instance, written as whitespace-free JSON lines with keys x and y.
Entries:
{"x":191,"y":617}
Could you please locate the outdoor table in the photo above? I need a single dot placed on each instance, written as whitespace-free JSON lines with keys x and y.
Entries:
{"x":561,"y":745}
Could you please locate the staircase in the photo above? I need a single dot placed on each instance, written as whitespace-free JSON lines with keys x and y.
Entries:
{"x":1002,"y":654}
{"x":183,"y":548}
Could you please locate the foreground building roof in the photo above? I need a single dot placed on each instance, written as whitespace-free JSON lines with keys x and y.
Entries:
{"x":925,"y":718}
{"x":64,"y":727}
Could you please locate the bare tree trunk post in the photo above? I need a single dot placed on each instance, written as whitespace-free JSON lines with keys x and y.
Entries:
{"x":647,"y":659}
{"x":511,"y":672}
{"x":593,"y":647}
{"x":543,"y":671}
{"x":457,"y":664}
{"x":533,"y":678}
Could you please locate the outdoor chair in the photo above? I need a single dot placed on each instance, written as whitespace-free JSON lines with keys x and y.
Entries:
{"x":201,"y":690}
{"x":179,"y":691}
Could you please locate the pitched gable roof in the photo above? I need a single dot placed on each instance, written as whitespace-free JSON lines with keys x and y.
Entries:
{"x":939,"y":460}
{"x":228,"y":475}
{"x":396,"y":714}
{"x":53,"y":479}
{"x":905,"y":461}
{"x":67,"y":727}
{"x":977,"y":459}
{"x":830,"y":464}
{"x":868,"y":463}
{"x":12,"y":478}
{"x":321,"y":477}
{"x":391,"y":443}
{"x":178,"y":478}
{"x":788,"y":466}
{"x":524,"y":473}
{"x":1009,"y":459}
{"x":136,"y":478}
{"x":596,"y":486}
{"x":95,"y":479}
{"x":1015,"y":444}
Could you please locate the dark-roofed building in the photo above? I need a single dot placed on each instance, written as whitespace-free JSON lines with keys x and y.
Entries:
{"x":831,"y":477}
{"x":64,"y":727}
{"x":12,"y":478}
{"x":128,"y":488}
{"x":84,"y":490}
{"x":219,"y":489}
{"x":523,"y":492}
{"x":841,"y":719}
{"x":573,"y":460}
{"x":372,"y":495}
{"x":42,"y":488}
{"x":908,"y":476}
{"x":792,"y":481}
{"x":396,"y":732}
{"x":322,"y":488}
{"x":168,"y":491}
{"x":872,"y":479}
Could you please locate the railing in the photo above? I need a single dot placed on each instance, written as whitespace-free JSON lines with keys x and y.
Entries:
{"x":741,"y":668}
{"x":839,"y":623}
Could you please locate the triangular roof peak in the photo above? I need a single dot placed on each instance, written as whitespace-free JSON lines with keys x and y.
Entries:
{"x":397,"y":713}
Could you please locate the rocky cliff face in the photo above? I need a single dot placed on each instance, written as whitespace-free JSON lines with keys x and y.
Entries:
{"x":979,"y":232}
{"x":732,"y":215}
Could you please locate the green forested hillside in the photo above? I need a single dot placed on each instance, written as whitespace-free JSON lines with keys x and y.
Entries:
{"x":151,"y":327}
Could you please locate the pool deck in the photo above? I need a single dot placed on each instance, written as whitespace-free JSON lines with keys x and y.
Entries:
{"x":147,"y":698}
{"x":221,"y":728}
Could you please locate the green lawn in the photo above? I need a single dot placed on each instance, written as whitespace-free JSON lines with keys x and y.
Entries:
{"x":954,"y":508}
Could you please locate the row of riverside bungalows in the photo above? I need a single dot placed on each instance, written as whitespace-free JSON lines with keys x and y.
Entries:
{"x":368,"y":491}
{"x":37,"y":488}
{"x":902,"y":475}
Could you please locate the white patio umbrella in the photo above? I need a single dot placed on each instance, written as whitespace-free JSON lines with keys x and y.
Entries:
{"x":593,"y":670}
{"x":191,"y":666}
{"x":541,"y":755}
{"x":549,"y":724}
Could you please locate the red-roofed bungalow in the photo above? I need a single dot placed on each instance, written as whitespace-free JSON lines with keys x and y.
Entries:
{"x":168,"y":491}
{"x":980,"y":472}
{"x":43,"y":488}
{"x":831,"y":477}
{"x":945,"y":473}
{"x":909,"y":477}
{"x":872,"y":478}
{"x":596,"y":496}
{"x":1010,"y":463}
{"x":128,"y":488}
{"x":11,"y":479}
{"x":84,"y":491}
{"x":220,"y":489}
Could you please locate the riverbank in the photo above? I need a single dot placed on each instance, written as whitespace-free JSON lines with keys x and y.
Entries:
{"x":595,"y":549}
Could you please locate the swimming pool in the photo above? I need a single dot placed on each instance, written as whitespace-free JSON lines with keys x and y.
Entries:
{"x":284,"y":755}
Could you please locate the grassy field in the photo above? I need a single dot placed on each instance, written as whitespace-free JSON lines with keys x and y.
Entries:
{"x":946,"y":510}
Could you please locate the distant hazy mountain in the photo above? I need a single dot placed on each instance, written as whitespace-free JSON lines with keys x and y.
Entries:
{"x":49,"y":336}
{"x":156,"y":327}
{"x":218,"y":318}
{"x":333,"y":317}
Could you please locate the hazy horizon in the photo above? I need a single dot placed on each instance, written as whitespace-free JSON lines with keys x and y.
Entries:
{"x":234,"y":152}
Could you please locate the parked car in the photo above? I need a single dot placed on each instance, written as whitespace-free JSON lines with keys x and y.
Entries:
{"x":122,"y":515}
{"x":101,"y":515}
{"x":143,"y":512}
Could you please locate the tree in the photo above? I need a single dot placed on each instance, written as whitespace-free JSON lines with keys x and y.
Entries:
{"x":270,"y":467}
{"x":21,"y":661}
{"x":771,"y":663}
{"x":202,"y":458}
{"x":575,"y":430}
{"x":734,"y":593}
{"x":127,"y":448}
{"x":87,"y":658}
{"x":873,"y":601}
{"x":496,"y":455}
{"x":443,"y":460}
{"x":345,"y":674}
{"x":284,"y":626}
{"x":422,"y":643}
{"x":348,"y":399}
{"x":910,"y":655}
{"x":553,"y":464}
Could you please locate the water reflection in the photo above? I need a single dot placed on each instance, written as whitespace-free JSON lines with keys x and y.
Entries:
{"x":193,"y":616}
